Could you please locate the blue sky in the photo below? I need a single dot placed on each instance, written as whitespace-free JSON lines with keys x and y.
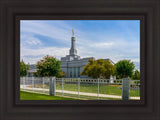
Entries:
{"x":114,"y":39}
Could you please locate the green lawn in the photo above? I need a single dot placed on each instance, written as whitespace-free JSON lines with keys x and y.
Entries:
{"x":93,"y":88}
{"x":85,"y":97}
{"x":35,"y":96}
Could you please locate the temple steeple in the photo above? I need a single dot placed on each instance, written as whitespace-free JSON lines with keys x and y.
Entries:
{"x":73,"y":50}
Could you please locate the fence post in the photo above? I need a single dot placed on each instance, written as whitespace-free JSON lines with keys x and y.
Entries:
{"x":54,"y":80}
{"x":125,"y":88}
{"x":62,"y":86}
{"x":78,"y":86}
{"x":52,"y":86}
{"x":32,"y":84}
{"x":23,"y":82}
{"x":98,"y":90}
{"x":43,"y":84}
{"x":111,"y":79}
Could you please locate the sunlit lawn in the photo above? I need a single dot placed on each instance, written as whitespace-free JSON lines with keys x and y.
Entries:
{"x":35,"y":96}
{"x":93,"y":88}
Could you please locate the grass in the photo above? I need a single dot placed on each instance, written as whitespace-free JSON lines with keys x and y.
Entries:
{"x":35,"y":96}
{"x":85,"y":97}
{"x":93,"y":88}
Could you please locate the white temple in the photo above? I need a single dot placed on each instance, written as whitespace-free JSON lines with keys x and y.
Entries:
{"x":72,"y":64}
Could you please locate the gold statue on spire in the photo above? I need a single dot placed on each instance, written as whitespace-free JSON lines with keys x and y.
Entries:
{"x":73,"y":32}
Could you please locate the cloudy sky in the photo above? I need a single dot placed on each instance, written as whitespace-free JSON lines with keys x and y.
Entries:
{"x":114,"y":39}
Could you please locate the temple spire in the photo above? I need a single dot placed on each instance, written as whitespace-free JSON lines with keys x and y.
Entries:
{"x":73,"y":50}
{"x":73,"y":32}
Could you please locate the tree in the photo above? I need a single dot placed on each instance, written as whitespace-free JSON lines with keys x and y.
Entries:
{"x":23,"y":68}
{"x":136,"y":75}
{"x":48,"y":66}
{"x":62,"y":74}
{"x":98,"y":69}
{"x":109,"y":69}
{"x":124,"y":68}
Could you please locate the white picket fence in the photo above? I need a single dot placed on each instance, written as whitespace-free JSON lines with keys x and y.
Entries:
{"x":82,"y":88}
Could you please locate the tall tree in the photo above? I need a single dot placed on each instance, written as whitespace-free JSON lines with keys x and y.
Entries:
{"x":124,"y":68}
{"x":136,"y":75}
{"x":98,"y":69}
{"x":23,"y":68}
{"x":48,"y":66}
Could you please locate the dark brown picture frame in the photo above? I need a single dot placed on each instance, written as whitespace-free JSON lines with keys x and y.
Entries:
{"x":12,"y":11}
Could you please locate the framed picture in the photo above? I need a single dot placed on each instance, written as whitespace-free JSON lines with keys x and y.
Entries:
{"x":79,"y":60}
{"x":95,"y":68}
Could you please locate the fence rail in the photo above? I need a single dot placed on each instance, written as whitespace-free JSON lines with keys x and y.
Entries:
{"x":82,"y":88}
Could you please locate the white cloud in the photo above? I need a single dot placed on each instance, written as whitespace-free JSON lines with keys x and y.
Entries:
{"x":29,"y":40}
{"x":135,"y":60}
{"x":33,"y":55}
{"x":102,"y":45}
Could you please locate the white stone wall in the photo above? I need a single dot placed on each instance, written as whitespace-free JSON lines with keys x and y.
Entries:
{"x":66,"y":65}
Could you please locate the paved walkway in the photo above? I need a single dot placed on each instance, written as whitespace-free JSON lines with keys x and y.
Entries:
{"x":74,"y":92}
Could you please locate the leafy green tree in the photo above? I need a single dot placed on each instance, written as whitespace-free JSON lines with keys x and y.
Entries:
{"x":87,"y":67}
{"x":136,"y":75}
{"x":23,"y":68}
{"x":98,"y":69}
{"x":124,"y":68}
{"x":48,"y":66}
